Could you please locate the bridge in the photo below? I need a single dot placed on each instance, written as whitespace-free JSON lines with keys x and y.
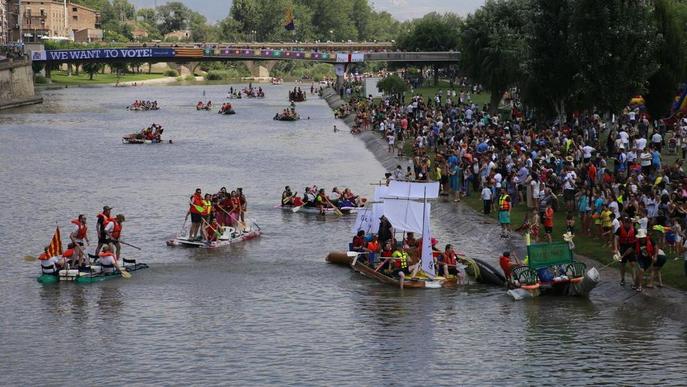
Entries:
{"x":258,"y":57}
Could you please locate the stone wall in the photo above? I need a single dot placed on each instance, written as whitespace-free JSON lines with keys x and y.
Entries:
{"x":16,"y":84}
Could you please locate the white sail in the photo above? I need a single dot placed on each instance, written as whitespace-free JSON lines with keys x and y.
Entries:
{"x":406,"y":215}
{"x":368,"y":219}
{"x":412,"y":190}
{"x":381,"y":192}
{"x":427,"y":260}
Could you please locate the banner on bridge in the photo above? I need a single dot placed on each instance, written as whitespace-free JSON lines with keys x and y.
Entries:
{"x":348,"y":57}
{"x":101,"y":54}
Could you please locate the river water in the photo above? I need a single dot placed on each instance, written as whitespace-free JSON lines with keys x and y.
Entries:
{"x":269,"y":311}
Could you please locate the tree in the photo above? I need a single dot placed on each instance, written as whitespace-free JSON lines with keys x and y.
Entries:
{"x":392,"y":85}
{"x":172,"y":17}
{"x":433,"y":32}
{"x":147,"y":15}
{"x":91,"y":68}
{"x":670,"y":17}
{"x":614,"y":44}
{"x":550,"y":64}
{"x":493,"y":45}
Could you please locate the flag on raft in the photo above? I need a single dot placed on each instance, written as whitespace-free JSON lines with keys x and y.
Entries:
{"x":289,"y":25}
{"x":55,"y":247}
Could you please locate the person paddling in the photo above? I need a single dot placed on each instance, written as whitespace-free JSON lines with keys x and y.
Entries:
{"x":103,"y":218}
{"x":78,"y":235}
{"x":113,"y":229}
{"x":108,"y":261}
{"x":196,"y":210}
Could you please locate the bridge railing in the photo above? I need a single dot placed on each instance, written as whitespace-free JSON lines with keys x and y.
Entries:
{"x":292,"y":46}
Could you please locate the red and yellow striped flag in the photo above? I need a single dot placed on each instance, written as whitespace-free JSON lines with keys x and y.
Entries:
{"x":55,"y":247}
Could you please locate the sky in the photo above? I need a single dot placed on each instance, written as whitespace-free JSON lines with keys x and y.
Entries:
{"x":401,"y":9}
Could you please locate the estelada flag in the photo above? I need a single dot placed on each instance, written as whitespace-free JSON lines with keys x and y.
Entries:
{"x":290,"y":26}
{"x":55,"y":247}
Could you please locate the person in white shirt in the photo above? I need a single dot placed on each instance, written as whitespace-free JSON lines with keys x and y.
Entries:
{"x":587,"y":153}
{"x":640,"y":143}
{"x":487,"y":199}
{"x":657,"y":141}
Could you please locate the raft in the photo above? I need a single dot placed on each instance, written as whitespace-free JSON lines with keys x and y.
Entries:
{"x":229,"y":236}
{"x":87,"y":277}
{"x":280,"y":117}
{"x":486,"y":274}
{"x":132,"y":140}
{"x":419,"y":282}
{"x":327,"y":211}
{"x":339,"y":258}
{"x":227,"y":112}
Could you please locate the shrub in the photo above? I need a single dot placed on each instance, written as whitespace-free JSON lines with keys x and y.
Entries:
{"x":171,"y":73}
{"x":214,"y":75}
{"x":41,"y":80}
{"x":190,"y":77}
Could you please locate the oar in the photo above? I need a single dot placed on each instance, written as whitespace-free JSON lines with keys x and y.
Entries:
{"x":238,"y":220}
{"x":128,"y":244}
{"x":336,"y":209}
{"x":382,"y":264}
{"x":30,"y":258}
{"x":125,"y":274}
{"x":298,"y":208}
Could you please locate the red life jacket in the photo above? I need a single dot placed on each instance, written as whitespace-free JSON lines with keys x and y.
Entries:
{"x":68,"y":253}
{"x":197,"y":204}
{"x":81,"y":232}
{"x":117,"y":229}
{"x":106,"y":254}
{"x":626,"y":237}
{"x":44,"y":257}
{"x":649,"y":248}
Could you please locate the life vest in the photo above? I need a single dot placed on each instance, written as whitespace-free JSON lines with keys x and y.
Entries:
{"x":504,"y":202}
{"x":402,"y":258}
{"x":104,"y":218}
{"x":197,"y":204}
{"x":44,"y":257}
{"x":207,"y":208}
{"x":626,"y":237}
{"x":116,"y":230}
{"x":646,"y":250}
{"x":81,"y":232}
{"x":68,"y":253}
{"x":374,"y":246}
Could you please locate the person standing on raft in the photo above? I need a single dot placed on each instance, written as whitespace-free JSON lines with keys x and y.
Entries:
{"x":103,"y":218}
{"x":78,"y":235}
{"x":113,"y":229}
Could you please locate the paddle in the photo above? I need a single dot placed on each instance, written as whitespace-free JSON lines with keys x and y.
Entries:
{"x":238,"y":220}
{"x":382,"y":264}
{"x":298,"y":208}
{"x":127,"y":244}
{"x":30,"y":258}
{"x":125,"y":274}
{"x":336,"y":209}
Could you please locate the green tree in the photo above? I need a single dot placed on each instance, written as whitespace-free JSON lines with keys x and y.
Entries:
{"x":671,"y":22}
{"x":172,"y":16}
{"x":550,"y":64}
{"x":493,"y":46}
{"x":147,"y":15}
{"x":91,"y":68}
{"x":614,"y":42}
{"x":392,"y":85}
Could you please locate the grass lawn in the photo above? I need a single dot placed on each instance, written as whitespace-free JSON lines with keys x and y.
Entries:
{"x":673,"y":272}
{"x":83,"y":78}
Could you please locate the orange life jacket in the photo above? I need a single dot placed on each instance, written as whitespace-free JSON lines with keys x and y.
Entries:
{"x":44,"y":257}
{"x":68,"y":253}
{"x":197,"y":204}
{"x":117,"y":229}
{"x":83,"y":229}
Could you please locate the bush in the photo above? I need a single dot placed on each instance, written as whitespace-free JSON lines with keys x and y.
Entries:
{"x":190,"y":77}
{"x":213,"y":75}
{"x":41,"y":80}
{"x":179,"y":79}
{"x":171,"y":73}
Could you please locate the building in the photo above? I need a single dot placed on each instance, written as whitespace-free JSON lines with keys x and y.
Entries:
{"x":58,"y":20}
{"x":139,"y":33}
{"x":4,"y":22}
{"x":178,"y":35}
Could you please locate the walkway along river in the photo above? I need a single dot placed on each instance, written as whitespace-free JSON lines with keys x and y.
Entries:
{"x":269,"y":311}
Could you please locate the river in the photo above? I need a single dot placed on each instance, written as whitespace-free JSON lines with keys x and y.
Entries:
{"x":268,"y":311}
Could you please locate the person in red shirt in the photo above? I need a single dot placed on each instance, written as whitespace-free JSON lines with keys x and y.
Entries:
{"x":373,"y":248}
{"x":548,"y":222}
{"x":358,"y":243}
{"x":508,"y":264}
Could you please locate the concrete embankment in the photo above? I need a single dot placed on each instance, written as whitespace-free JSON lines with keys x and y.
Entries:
{"x":478,"y":236}
{"x":16,"y":84}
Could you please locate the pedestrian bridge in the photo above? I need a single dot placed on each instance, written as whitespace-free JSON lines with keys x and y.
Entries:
{"x":181,"y":54}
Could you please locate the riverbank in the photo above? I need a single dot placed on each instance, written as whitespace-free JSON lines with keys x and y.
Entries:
{"x":463,"y":224}
{"x":62,"y":78}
